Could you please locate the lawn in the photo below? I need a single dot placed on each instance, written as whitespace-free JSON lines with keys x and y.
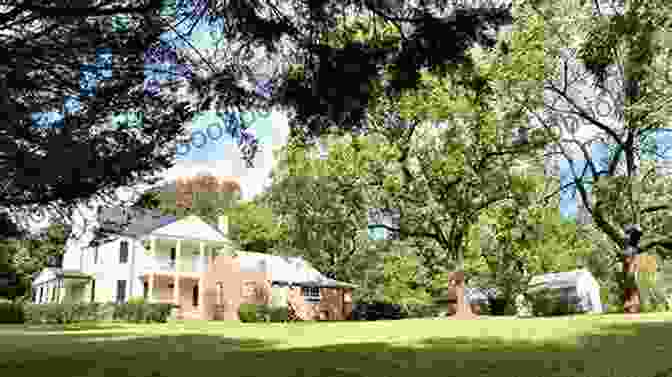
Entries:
{"x":593,"y":346}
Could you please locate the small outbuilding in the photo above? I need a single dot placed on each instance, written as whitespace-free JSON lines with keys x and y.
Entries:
{"x":578,"y":287}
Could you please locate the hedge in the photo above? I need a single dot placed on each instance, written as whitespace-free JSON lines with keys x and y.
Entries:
{"x":548,"y":303}
{"x":11,"y":312}
{"x":249,"y":313}
{"x":73,"y":313}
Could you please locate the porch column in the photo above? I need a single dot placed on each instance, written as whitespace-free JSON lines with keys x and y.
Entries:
{"x":178,"y":267}
{"x":201,"y":280}
{"x":152,"y":253}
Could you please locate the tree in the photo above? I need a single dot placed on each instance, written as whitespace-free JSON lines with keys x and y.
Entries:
{"x":21,"y":257}
{"x":452,"y":170}
{"x":517,"y":240}
{"x":255,"y":228}
{"x":47,"y":59}
{"x":621,"y":62}
{"x":323,"y":205}
{"x":203,"y":195}
{"x":305,"y":69}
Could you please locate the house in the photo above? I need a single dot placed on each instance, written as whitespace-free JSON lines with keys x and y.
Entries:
{"x":187,"y":262}
{"x":578,"y":287}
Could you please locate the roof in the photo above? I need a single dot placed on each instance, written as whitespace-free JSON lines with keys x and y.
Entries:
{"x":560,"y":279}
{"x":289,"y":270}
{"x":133,"y":222}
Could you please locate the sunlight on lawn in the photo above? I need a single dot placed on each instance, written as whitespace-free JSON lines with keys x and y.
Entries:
{"x":582,"y":346}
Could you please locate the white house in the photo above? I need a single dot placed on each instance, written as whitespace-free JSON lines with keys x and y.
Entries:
{"x":126,"y":265}
{"x":577,"y":286}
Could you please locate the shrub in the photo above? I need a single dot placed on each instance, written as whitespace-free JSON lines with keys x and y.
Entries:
{"x":549,"y":303}
{"x":373,"y":311}
{"x":12,"y":312}
{"x":420,"y":310}
{"x":247,"y":313}
{"x":137,"y":300}
{"x":279,"y":314}
{"x":78,"y":312}
{"x":497,"y":305}
{"x":143,"y":312}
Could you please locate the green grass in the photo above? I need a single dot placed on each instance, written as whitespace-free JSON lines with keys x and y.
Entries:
{"x":591,"y":346}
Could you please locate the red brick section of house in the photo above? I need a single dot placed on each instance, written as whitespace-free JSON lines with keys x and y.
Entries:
{"x":226,"y":287}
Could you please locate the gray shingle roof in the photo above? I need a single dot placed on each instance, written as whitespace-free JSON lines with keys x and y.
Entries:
{"x":133,"y":222}
{"x":289,"y":270}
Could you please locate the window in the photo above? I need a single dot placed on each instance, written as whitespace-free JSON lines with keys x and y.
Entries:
{"x":194,"y":299}
{"x":145,"y":290}
{"x":121,"y":291}
{"x":172,"y":255}
{"x":34,"y":295}
{"x":95,"y":256}
{"x":93,"y":290}
{"x":171,"y":285}
{"x":311,"y":294}
{"x":41,"y":294}
{"x":123,"y":252}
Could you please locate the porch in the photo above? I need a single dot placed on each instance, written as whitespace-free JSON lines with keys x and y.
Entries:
{"x":184,"y":291}
{"x":177,"y":259}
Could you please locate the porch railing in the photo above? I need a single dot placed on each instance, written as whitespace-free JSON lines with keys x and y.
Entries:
{"x":165,"y":264}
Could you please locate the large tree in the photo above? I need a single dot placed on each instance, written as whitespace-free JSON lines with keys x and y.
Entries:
{"x":521,"y":238}
{"x":306,"y":70}
{"x":68,"y":60}
{"x":22,"y":255}
{"x":607,"y":90}
{"x":455,"y":152}
{"x":323,"y":204}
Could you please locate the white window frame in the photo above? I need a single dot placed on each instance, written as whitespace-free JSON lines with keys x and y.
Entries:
{"x":311,"y":294}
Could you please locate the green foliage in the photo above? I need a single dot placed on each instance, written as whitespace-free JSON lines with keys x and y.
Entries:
{"x":401,"y":281}
{"x":250,"y":313}
{"x":28,"y":255}
{"x":138,"y":300}
{"x":247,"y":313}
{"x":143,"y":312}
{"x":254,"y":227}
{"x":11,"y":312}
{"x":279,"y":314}
{"x":419,"y":310}
{"x":548,"y":302}
{"x":73,"y":313}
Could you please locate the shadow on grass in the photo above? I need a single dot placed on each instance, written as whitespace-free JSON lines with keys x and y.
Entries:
{"x":616,"y":350}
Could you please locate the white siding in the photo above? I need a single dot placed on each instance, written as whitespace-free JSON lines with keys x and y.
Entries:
{"x":109,"y":270}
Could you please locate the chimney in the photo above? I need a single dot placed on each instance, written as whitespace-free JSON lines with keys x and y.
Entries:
{"x":223,"y":224}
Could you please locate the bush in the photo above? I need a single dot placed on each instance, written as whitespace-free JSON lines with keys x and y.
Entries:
{"x":374,"y":311}
{"x":73,"y":313}
{"x":420,"y":310}
{"x":143,"y":312}
{"x":279,"y":314}
{"x":12,"y":312}
{"x":137,"y":300}
{"x":247,"y":313}
{"x":548,"y":303}
{"x":498,"y":305}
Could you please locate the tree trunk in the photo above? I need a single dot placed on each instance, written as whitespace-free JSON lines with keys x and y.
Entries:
{"x":631,"y":302}
{"x":460,"y":309}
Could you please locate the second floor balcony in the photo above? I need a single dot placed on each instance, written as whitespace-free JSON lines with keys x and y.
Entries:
{"x":189,"y":264}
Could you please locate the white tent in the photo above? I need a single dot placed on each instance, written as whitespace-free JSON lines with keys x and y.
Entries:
{"x":577,"y":286}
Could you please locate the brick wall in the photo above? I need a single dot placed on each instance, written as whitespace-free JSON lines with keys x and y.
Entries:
{"x":335,"y":304}
{"x":249,"y":287}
